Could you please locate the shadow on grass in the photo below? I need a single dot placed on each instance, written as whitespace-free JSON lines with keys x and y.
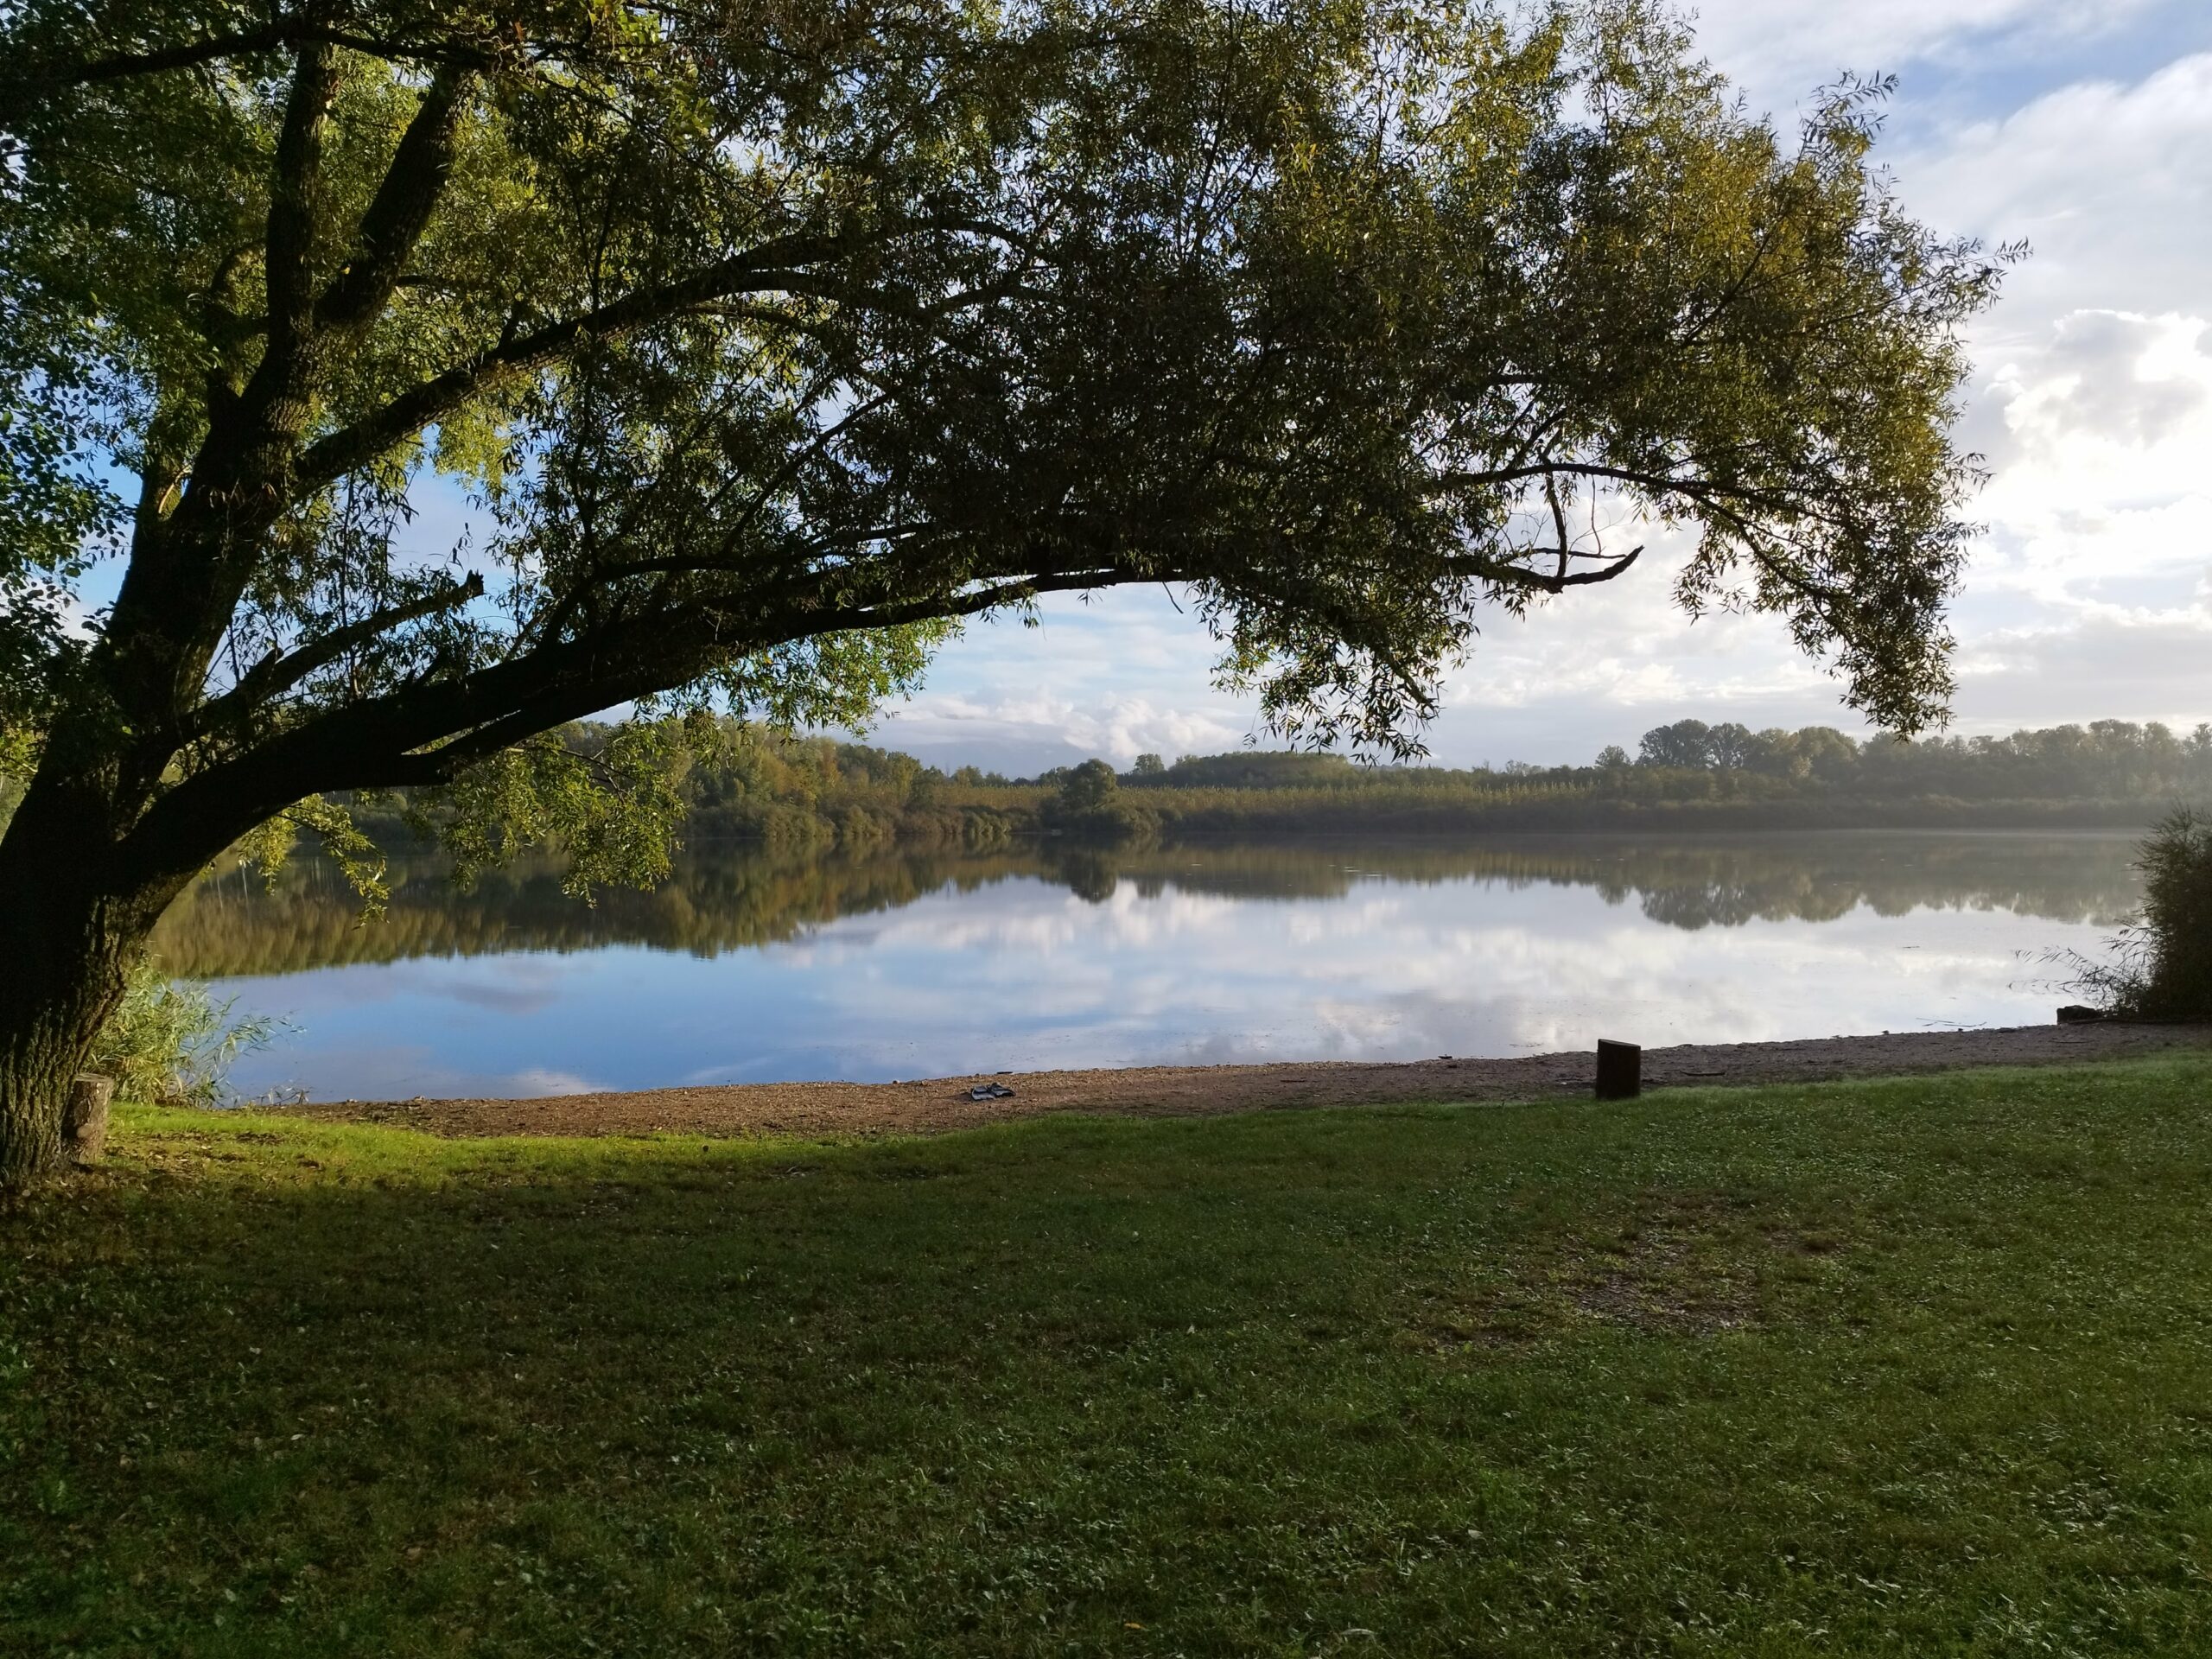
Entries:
{"x":1908,"y":1361}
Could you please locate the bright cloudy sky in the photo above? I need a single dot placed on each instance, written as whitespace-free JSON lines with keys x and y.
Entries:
{"x":2084,"y":126}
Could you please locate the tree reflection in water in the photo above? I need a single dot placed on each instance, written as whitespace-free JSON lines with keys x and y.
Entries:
{"x":727,"y":898}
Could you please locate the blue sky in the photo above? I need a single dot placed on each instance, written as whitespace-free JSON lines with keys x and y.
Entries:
{"x":2085,"y":128}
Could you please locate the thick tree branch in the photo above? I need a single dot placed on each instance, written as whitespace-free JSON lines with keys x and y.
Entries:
{"x":444,"y":763}
{"x":277,"y":674}
{"x":1558,"y":522}
{"x":1483,"y":568}
{"x":289,"y":262}
{"x":772,"y":265}
{"x":387,"y":741}
{"x":185,"y":574}
{"x":21,"y":94}
{"x":404,"y":201}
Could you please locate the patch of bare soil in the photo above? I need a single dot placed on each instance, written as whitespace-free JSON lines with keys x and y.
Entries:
{"x":834,"y":1108}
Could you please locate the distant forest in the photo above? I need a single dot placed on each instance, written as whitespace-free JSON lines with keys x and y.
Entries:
{"x":809,"y":792}
{"x":801,"y":793}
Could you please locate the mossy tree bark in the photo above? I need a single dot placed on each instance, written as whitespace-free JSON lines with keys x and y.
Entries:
{"x":78,"y":902}
{"x":65,"y":942}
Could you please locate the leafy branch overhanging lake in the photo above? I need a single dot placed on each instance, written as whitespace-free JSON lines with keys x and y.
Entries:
{"x":771,"y":341}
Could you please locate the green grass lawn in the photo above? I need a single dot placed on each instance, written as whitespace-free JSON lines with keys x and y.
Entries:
{"x":1921,"y":1367}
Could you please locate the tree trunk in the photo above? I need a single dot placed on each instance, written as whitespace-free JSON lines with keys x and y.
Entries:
{"x":84,"y":1131}
{"x":65,"y":938}
{"x":87,"y":866}
{"x":59,"y":994}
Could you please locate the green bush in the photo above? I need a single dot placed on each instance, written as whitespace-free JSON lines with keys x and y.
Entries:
{"x":1090,"y":808}
{"x":2176,"y":924}
{"x":2163,"y":969}
{"x":172,"y":1043}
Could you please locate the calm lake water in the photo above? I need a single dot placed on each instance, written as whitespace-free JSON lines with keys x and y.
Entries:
{"x":747,"y":966}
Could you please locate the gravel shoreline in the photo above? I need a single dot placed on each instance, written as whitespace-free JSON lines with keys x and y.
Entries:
{"x":829,"y":1108}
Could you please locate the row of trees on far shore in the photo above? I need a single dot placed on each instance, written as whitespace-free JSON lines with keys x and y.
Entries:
{"x":2105,"y":759}
{"x":2108,"y":761}
{"x":801,"y":793}
{"x":815,"y":792}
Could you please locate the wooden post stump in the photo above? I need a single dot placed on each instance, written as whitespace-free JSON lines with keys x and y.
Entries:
{"x":83,"y":1128}
{"x":1620,"y":1071}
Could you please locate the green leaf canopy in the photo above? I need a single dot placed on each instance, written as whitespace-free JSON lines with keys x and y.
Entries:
{"x":772,"y":338}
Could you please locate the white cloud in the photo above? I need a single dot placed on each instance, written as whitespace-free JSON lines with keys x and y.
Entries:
{"x":2101,"y":438}
{"x":1779,"y":51}
{"x":2124,"y":382}
{"x":534,"y":1081}
{"x":1056,"y":728}
{"x":2106,"y":180}
{"x":2122,"y":664}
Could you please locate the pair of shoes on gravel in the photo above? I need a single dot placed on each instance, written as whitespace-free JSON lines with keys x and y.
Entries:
{"x":990,"y":1091}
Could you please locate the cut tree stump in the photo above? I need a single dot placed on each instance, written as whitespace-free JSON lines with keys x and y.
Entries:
{"x":1620,"y":1070}
{"x":84,"y":1128}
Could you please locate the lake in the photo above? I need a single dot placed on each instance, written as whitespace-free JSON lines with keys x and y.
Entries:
{"x":750,"y":966}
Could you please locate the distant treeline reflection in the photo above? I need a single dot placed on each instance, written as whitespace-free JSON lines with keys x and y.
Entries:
{"x":729,"y":897}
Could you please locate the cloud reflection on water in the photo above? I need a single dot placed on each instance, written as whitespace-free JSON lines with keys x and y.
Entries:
{"x":1219,"y":956}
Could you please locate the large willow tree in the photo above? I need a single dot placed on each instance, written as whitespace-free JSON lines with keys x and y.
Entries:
{"x":771,"y":337}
